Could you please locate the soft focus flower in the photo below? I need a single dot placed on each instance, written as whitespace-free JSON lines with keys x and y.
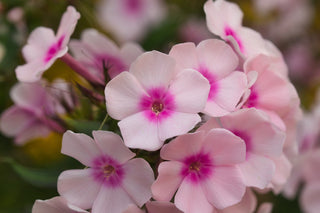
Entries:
{"x":263,"y":141}
{"x":129,"y":19}
{"x":217,"y":62}
{"x":96,"y":52}
{"x":44,"y":47}
{"x":153,"y":103}
{"x":55,"y":205}
{"x":33,"y":114}
{"x":112,"y":180}
{"x":310,"y":197}
{"x":203,"y":168}
{"x":194,"y":30}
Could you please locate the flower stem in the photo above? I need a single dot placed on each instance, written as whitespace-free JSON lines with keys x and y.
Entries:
{"x":103,"y":122}
{"x":81,"y":70}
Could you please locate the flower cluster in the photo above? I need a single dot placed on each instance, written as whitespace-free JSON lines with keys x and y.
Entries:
{"x":219,"y":117}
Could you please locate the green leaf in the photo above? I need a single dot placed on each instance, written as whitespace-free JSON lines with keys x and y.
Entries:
{"x":35,"y":176}
{"x":83,"y":126}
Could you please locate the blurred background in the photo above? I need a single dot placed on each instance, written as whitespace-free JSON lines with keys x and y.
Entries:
{"x":29,"y":172}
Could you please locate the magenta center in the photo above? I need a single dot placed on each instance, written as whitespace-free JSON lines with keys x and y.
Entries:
{"x":53,"y":50}
{"x":246,"y":138}
{"x":158,"y":105}
{"x":212,"y":81}
{"x":252,"y":100}
{"x":107,"y":171}
{"x":197,"y":167}
{"x":133,"y":7}
{"x":230,"y":32}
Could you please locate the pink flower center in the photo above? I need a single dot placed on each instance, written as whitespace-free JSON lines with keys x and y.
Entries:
{"x":158,"y":105}
{"x":133,"y":7}
{"x":53,"y":50}
{"x":230,"y":32}
{"x":107,"y":171}
{"x":212,"y":81}
{"x":197,"y":167}
{"x":252,"y":100}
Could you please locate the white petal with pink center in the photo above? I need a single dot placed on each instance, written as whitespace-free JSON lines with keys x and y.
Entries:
{"x":153,"y":103}
{"x":43,"y":47}
{"x":111,"y":174}
{"x":201,"y":172}
{"x":217,"y":62}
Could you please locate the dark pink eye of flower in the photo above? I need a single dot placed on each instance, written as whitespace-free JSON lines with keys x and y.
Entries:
{"x":212,"y":81}
{"x":133,"y":6}
{"x":52,"y":51}
{"x":230,"y":32}
{"x":107,"y":171}
{"x":197,"y":167}
{"x":244,"y":136}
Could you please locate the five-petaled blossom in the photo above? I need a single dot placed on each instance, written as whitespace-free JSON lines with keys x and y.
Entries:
{"x":203,"y":166}
{"x":217,"y":62}
{"x":44,"y":47}
{"x":113,"y":181}
{"x":153,"y":103}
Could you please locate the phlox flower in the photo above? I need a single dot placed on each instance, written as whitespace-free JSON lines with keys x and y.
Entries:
{"x":112,"y":180}
{"x":225,"y":20}
{"x":55,"y":205}
{"x":130,"y":19}
{"x":310,"y":197}
{"x":263,"y":141}
{"x":44,"y":47}
{"x":217,"y":62}
{"x":202,"y":166}
{"x":96,"y":52}
{"x":153,"y":103}
{"x":33,"y":113}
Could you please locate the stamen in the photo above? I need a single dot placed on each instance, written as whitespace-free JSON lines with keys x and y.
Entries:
{"x":108,"y":170}
{"x":157,"y":107}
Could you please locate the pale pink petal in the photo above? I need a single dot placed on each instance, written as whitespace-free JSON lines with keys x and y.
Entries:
{"x":191,"y":198}
{"x":230,"y":90}
{"x":133,"y":209}
{"x":190,"y":99}
{"x":14,"y":120}
{"x":29,"y":95}
{"x":177,"y":124}
{"x":80,"y":146}
{"x":138,"y":179}
{"x":55,"y":205}
{"x":138,"y":132}
{"x":212,"y":123}
{"x":162,"y":207}
{"x":185,"y":55}
{"x":115,"y":200}
{"x":310,"y":197}
{"x":98,"y":43}
{"x":221,"y":13}
{"x":78,"y":187}
{"x":224,"y":147}
{"x":218,"y":57}
{"x":168,"y":180}
{"x":282,"y":173}
{"x":33,"y":130}
{"x":247,"y":204}
{"x":213,"y":109}
{"x":225,"y":187}
{"x":30,"y":72}
{"x":38,"y":43}
{"x":130,"y":52}
{"x":183,"y":146}
{"x":265,"y":208}
{"x":123,"y":95}
{"x":67,"y":24}
{"x":112,"y":145}
{"x":153,"y":69}
{"x":257,"y":171}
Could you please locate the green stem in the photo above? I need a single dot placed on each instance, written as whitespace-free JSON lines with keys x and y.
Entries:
{"x":103,"y":122}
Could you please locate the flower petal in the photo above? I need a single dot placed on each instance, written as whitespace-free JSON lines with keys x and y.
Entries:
{"x":138,"y":179}
{"x":310,"y":197}
{"x":80,"y":147}
{"x":138,"y":132}
{"x":168,"y":180}
{"x":78,"y":187}
{"x":30,"y":72}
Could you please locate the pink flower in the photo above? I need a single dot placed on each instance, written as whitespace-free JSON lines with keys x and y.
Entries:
{"x":153,"y":103}
{"x":217,"y":62}
{"x":95,"y":51}
{"x":130,"y":19}
{"x":203,"y":166}
{"x":112,"y":181}
{"x":263,"y":142}
{"x":44,"y":47}
{"x":161,"y":207}
{"x":55,"y":205}
{"x":33,"y":114}
{"x":225,"y":20}
{"x":310,"y":197}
